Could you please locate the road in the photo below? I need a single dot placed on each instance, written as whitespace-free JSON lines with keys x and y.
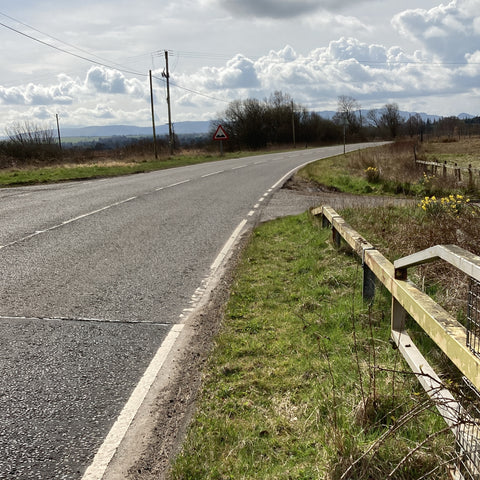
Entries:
{"x":95,"y":276}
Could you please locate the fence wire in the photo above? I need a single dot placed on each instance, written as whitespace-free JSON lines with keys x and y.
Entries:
{"x":468,"y":433}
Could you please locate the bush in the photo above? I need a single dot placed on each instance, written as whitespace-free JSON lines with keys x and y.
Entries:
{"x":30,"y":141}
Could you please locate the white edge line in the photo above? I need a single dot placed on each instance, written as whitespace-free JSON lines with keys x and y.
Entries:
{"x":228,"y":245}
{"x":104,"y":455}
{"x":289,"y":174}
{"x":107,"y":450}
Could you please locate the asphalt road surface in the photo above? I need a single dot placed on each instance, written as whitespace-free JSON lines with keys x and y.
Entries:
{"x":94,"y":276}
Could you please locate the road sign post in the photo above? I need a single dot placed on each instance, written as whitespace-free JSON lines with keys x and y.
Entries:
{"x":220,"y":135}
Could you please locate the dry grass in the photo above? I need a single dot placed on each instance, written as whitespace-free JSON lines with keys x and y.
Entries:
{"x":463,"y":151}
{"x":395,"y":162}
{"x":397,"y":172}
{"x":401,"y":231}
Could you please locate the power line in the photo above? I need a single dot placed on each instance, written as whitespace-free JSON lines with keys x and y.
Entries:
{"x":90,"y":60}
{"x":103,"y":64}
{"x":57,"y":39}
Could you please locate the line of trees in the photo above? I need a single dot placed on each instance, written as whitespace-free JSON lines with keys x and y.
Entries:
{"x":255,"y":124}
{"x":279,"y":120}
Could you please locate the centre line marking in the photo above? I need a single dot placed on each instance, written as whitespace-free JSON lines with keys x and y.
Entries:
{"x":85,"y":215}
{"x":213,"y":173}
{"x":178,"y":183}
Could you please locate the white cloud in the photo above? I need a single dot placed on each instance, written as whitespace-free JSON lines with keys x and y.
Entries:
{"x":32,"y":94}
{"x":311,"y":49}
{"x":106,"y":80}
{"x":239,"y":72}
{"x":345,"y":67}
{"x":448,"y":31}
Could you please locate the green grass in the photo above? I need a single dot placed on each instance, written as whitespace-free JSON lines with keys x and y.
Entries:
{"x":293,"y":366}
{"x":334,"y":172}
{"x":52,"y":174}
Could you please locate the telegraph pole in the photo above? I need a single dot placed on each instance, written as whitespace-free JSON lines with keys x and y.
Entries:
{"x":58,"y":131}
{"x":293,"y":126}
{"x":153,"y":117}
{"x":166,"y":75}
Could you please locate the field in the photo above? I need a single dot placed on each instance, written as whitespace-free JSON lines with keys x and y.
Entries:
{"x":463,"y":152}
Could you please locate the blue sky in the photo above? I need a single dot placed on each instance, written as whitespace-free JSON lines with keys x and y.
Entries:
{"x":426,"y":59}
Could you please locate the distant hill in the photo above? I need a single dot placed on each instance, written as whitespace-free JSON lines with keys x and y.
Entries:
{"x":180,"y":128}
{"x":199,"y":127}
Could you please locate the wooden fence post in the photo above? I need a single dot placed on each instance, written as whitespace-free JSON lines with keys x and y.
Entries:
{"x":369,"y":277}
{"x":399,"y":315}
{"x":445,"y":168}
{"x":325,"y":222}
{"x":336,"y":237}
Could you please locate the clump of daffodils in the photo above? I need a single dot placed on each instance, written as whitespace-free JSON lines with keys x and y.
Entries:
{"x":373,"y":174}
{"x":451,"y":205}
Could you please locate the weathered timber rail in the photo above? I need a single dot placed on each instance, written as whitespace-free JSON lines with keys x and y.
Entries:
{"x":449,"y":334}
{"x":471,"y":174}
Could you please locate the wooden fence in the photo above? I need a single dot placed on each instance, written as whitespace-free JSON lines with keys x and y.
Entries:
{"x":468,"y":175}
{"x":455,"y":340}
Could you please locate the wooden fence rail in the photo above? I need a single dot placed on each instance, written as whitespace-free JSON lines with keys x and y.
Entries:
{"x":472,"y":174}
{"x":450,"y":335}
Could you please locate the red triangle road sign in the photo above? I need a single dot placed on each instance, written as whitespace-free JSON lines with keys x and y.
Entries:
{"x":220,"y":134}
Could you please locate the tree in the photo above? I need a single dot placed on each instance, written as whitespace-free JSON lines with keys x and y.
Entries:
{"x":388,"y":119}
{"x":244,"y":122}
{"x":28,"y":133}
{"x":391,"y":118}
{"x":347,"y":108}
{"x":280,"y":109}
{"x":415,"y":126}
{"x":30,"y":140}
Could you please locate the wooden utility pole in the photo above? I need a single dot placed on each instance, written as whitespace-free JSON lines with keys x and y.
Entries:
{"x":58,"y":131}
{"x":153,"y":118}
{"x":166,"y":75}
{"x":293,"y":126}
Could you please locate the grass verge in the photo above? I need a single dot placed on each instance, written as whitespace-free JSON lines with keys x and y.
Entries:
{"x":303,"y":383}
{"x":31,"y":175}
{"x":391,"y":170}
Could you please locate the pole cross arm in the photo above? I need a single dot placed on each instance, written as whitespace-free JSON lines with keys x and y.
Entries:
{"x":464,"y":260}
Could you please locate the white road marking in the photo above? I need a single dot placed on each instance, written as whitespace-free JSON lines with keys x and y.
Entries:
{"x":228,"y":245}
{"x":213,"y":173}
{"x":85,"y":215}
{"x":239,"y":167}
{"x":111,"y":443}
{"x":66,"y":222}
{"x":177,"y":184}
{"x":105,"y":454}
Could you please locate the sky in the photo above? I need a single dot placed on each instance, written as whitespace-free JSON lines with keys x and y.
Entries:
{"x":89,"y":61}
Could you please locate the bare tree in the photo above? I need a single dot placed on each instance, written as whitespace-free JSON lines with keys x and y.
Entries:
{"x":30,"y":133}
{"x":391,"y":118}
{"x":387,"y":119}
{"x":347,"y":108}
